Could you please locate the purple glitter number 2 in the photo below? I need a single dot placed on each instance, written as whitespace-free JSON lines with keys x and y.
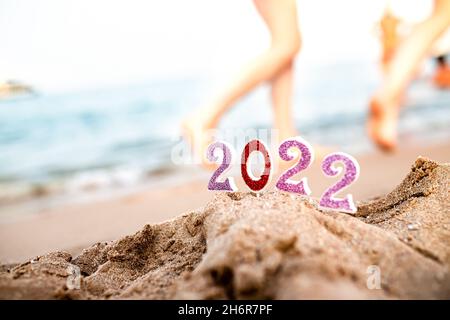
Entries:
{"x":305,"y":160}
{"x":351,"y":174}
{"x":228,"y":184}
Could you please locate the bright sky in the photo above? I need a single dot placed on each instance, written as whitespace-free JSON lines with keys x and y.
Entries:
{"x":58,"y":45}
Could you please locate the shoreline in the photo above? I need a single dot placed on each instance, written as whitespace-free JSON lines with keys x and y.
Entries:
{"x":74,"y":226}
{"x":33,"y":205}
{"x":274,"y":245}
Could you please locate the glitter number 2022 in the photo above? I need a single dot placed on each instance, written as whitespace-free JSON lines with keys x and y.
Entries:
{"x":351,"y":168}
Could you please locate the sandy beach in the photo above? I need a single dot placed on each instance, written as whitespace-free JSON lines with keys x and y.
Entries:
{"x":272,"y":246}
{"x":77,"y":226}
{"x":265,"y":150}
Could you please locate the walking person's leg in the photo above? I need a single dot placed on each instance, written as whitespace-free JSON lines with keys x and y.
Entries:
{"x":274,"y":65}
{"x":385,"y":104}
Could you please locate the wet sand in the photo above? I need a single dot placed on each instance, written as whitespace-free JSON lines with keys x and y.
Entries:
{"x":274,"y":245}
{"x":74,"y":227}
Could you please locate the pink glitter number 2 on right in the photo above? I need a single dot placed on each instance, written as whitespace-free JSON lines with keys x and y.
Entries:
{"x":351,"y":169}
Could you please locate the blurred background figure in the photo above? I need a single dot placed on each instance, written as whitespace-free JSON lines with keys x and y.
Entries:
{"x":275,"y":65}
{"x":442,"y":76}
{"x":401,"y":60}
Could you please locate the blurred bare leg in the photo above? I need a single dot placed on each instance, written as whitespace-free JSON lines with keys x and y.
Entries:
{"x":281,"y":18}
{"x":390,"y":39}
{"x":282,"y":86}
{"x":384,"y":106}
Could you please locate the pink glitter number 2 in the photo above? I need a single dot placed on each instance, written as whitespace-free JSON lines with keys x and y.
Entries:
{"x":305,"y":160}
{"x":228,"y":184}
{"x":351,"y":174}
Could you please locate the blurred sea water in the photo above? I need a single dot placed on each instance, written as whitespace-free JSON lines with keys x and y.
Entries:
{"x":122,"y":137}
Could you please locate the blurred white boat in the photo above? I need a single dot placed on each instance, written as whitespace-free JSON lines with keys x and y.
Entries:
{"x":11,"y":88}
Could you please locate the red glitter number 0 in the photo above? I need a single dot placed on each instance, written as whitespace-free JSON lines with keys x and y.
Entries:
{"x":253,"y":183}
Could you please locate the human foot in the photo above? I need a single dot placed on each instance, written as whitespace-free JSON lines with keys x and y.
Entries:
{"x":197,"y":136}
{"x":382,"y":124}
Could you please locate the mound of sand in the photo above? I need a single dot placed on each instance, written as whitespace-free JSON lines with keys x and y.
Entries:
{"x":274,"y":245}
